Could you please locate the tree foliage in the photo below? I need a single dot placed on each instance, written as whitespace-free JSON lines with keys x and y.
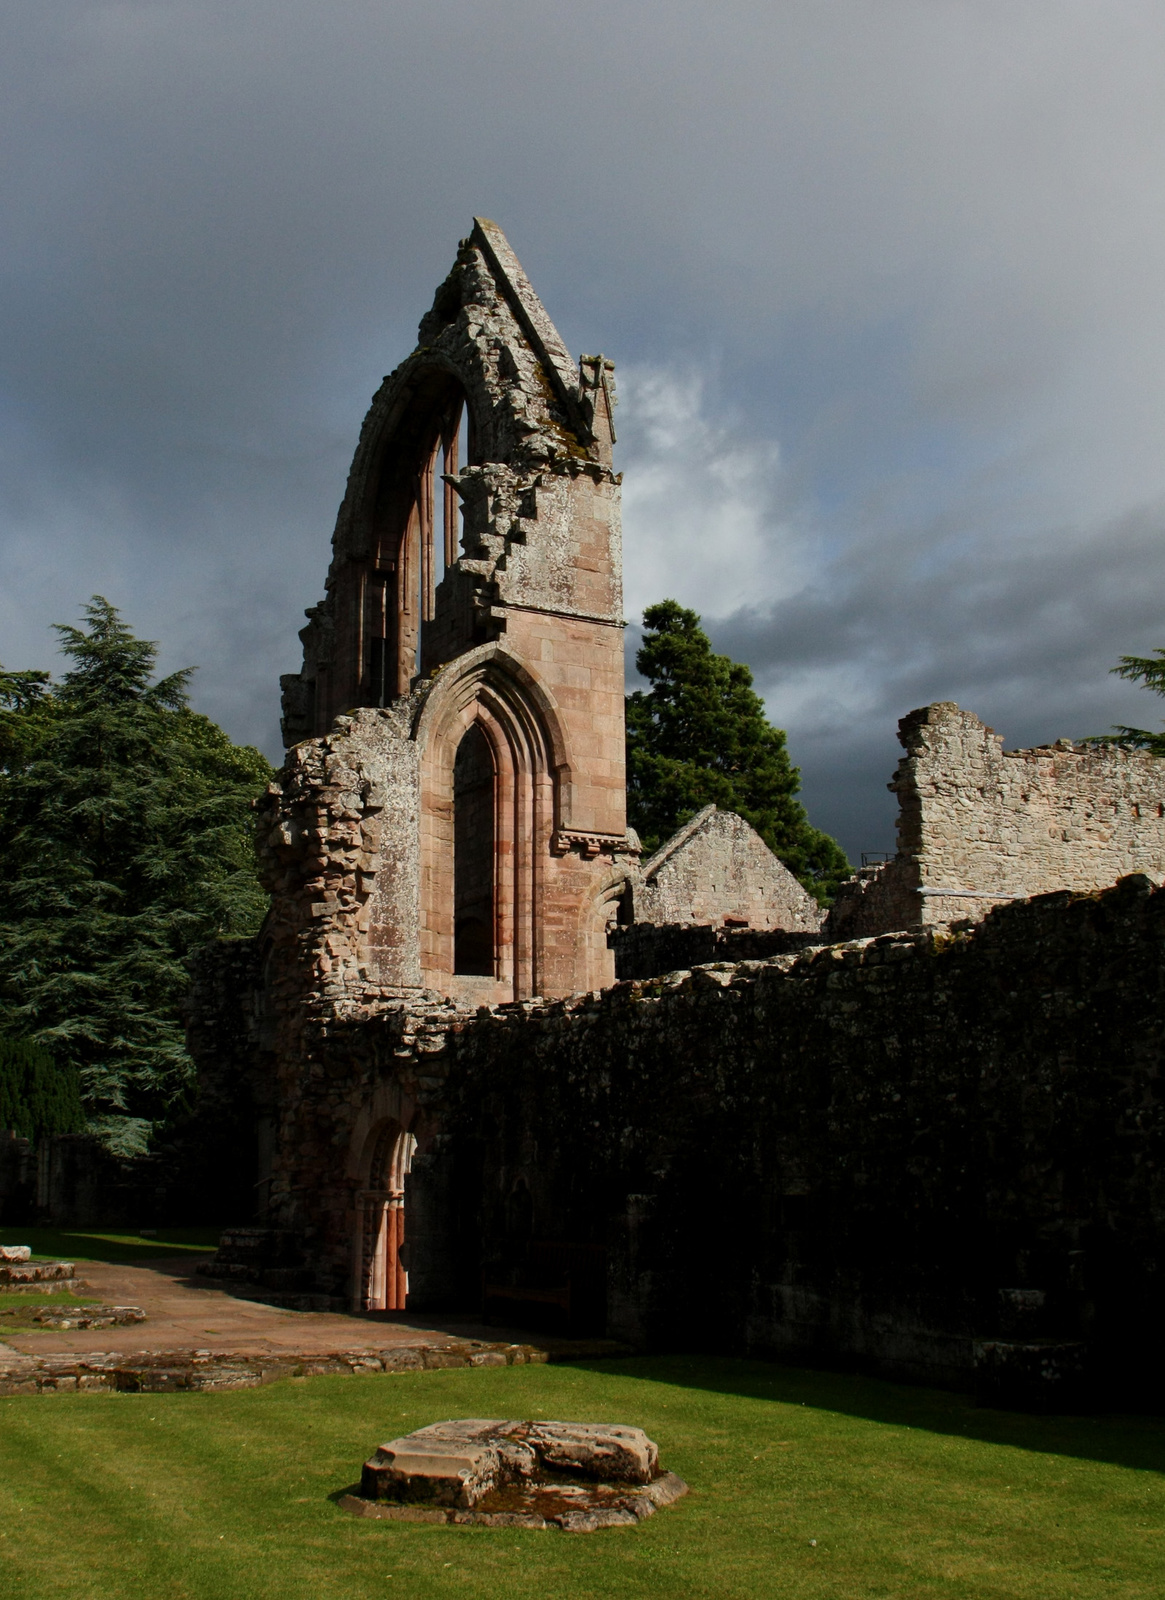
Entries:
{"x":1149,"y":670}
{"x":699,"y":736}
{"x":125,"y":841}
{"x":37,"y":1098}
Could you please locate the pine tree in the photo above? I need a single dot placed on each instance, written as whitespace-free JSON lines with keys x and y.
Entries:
{"x":1149,"y":670}
{"x":700,"y":736}
{"x":125,"y":841}
{"x":37,"y":1098}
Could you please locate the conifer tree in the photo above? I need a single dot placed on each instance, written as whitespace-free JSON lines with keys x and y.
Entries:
{"x":37,"y":1098}
{"x":125,"y":841}
{"x":699,"y":736}
{"x":1149,"y":670}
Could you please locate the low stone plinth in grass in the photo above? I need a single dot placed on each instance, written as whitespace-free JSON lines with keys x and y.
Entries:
{"x":577,"y":1476}
{"x":21,"y":1275}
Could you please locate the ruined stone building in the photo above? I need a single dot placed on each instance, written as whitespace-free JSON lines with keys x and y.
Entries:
{"x":462,"y":686}
{"x":980,"y":826}
{"x":846,"y":1141}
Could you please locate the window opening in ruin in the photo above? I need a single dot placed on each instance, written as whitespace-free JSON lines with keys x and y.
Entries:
{"x":419,"y":541}
{"x":449,"y":460}
{"x":473,"y":856}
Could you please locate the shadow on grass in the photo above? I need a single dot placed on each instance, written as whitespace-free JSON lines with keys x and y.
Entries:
{"x":1120,"y":1440}
{"x":342,"y":1494}
{"x":111,"y":1245}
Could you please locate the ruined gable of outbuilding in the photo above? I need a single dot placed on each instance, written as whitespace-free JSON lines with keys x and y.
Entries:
{"x":718,"y":870}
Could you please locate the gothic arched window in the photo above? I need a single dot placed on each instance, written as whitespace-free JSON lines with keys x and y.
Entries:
{"x":473,"y":855}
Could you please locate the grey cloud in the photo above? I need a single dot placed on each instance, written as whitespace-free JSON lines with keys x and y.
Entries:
{"x":911,"y":248}
{"x":1021,"y":633}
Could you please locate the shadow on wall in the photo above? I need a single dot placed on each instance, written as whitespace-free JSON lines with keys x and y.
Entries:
{"x":1125,"y":1441}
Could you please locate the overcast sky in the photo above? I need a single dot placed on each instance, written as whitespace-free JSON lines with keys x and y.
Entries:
{"x":884,"y":281}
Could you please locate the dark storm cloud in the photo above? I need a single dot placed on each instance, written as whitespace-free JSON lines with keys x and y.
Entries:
{"x":882,"y":276}
{"x":1023,"y":634}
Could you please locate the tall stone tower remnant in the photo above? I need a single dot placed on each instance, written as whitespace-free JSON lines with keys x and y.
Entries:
{"x":452,"y":816}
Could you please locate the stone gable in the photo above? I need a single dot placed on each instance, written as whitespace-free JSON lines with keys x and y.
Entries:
{"x":717,"y":869}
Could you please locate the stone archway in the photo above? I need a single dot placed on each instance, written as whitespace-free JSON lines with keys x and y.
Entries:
{"x":487,"y":705}
{"x":381,"y":1277}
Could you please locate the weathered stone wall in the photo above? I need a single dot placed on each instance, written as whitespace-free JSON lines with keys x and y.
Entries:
{"x":857,"y":1154}
{"x":644,"y":950}
{"x":717,"y":869}
{"x":979,"y":825}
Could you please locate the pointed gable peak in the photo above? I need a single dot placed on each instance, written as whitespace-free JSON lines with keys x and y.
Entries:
{"x":531,"y":316}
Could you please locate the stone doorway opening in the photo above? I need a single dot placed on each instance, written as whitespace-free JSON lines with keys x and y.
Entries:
{"x":381,"y":1212}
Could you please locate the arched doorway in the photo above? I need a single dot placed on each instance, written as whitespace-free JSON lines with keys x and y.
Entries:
{"x":382,"y":1214}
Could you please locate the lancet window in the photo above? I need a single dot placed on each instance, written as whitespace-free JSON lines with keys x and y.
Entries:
{"x":416,"y":538}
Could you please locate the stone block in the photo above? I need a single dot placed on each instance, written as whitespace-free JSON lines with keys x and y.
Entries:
{"x":440,"y":1472}
{"x":596,"y":1450}
{"x":574,"y":1476}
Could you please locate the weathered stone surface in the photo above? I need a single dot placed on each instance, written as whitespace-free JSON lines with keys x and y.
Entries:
{"x":15,"y":1252}
{"x":161,"y":1371}
{"x":1032,"y":1374}
{"x":643,"y":950}
{"x":89,"y":1316}
{"x":23,"y":1276}
{"x":517,"y":1474}
{"x":867,"y":1142}
{"x":435,"y":1468}
{"x":596,"y":1450}
{"x":718,"y":870}
{"x":979,"y":825}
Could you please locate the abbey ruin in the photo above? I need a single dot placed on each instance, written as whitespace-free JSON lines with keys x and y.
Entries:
{"x":491,"y":1058}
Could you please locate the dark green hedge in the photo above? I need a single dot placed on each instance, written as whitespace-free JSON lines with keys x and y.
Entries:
{"x":37,"y":1097}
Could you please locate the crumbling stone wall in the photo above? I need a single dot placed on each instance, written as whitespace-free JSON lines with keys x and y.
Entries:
{"x":717,"y":869}
{"x":979,"y":825}
{"x":860,"y":1153}
{"x":644,"y":950}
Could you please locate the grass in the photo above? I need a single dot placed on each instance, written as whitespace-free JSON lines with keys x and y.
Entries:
{"x":91,"y":1244}
{"x":907,"y":1493}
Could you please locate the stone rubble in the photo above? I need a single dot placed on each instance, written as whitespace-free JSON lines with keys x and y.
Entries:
{"x":570,"y":1475}
{"x":156,"y":1372}
{"x":66,"y":1317}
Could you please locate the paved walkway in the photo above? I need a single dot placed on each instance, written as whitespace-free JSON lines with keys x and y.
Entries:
{"x":185,"y":1311}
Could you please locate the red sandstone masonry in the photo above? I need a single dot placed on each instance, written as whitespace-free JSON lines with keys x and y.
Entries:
{"x":521,"y":637}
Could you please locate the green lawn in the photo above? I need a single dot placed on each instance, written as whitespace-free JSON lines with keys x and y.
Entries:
{"x":91,"y":1244}
{"x":907,"y":1492}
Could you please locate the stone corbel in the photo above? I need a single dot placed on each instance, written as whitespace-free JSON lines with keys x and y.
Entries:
{"x":590,"y":845}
